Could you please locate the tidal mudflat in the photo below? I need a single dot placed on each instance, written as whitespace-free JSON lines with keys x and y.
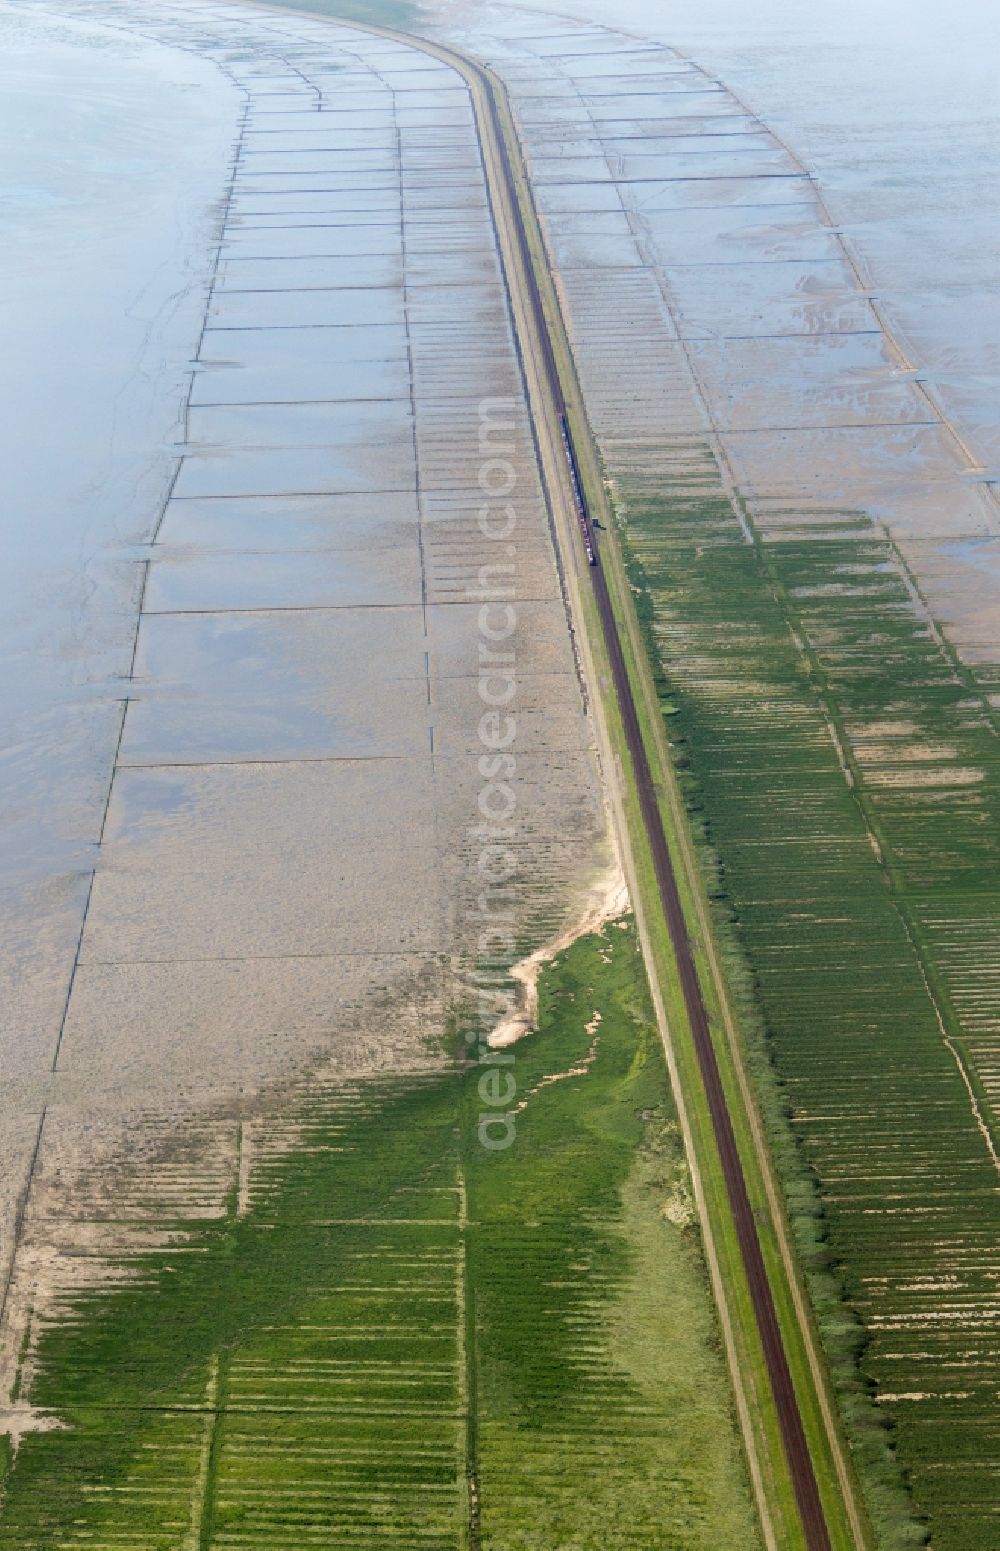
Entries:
{"x":270,"y":864}
{"x":808,"y":536}
{"x":256,"y":1256}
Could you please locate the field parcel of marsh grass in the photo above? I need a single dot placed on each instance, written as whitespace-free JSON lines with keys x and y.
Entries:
{"x":851,"y":871}
{"x":405,"y":1338}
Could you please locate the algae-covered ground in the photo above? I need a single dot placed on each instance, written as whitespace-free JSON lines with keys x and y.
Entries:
{"x":401,"y":1338}
{"x":840,"y":765}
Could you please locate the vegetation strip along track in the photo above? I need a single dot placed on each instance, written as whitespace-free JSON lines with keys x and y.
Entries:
{"x":789,"y":1416}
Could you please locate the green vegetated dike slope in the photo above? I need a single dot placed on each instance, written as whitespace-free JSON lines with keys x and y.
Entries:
{"x":842,"y":768}
{"x":409,"y":1341}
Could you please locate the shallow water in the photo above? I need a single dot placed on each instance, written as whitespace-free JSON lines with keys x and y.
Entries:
{"x":113,"y":166}
{"x":106,"y":212}
{"x":896,"y":109}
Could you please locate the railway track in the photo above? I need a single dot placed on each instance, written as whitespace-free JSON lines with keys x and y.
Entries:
{"x":815,"y":1529}
{"x":814,"y":1524}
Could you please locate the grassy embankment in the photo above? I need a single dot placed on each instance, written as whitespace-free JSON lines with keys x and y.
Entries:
{"x":846,"y":1516}
{"x":400,"y":1311}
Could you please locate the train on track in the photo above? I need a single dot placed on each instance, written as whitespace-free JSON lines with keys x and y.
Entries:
{"x":579,"y":498}
{"x":542,"y":327}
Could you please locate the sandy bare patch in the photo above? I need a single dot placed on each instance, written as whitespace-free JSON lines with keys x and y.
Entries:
{"x":607,"y":900}
{"x":18,"y":1420}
